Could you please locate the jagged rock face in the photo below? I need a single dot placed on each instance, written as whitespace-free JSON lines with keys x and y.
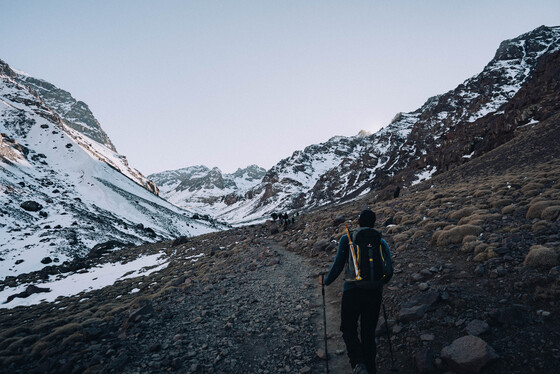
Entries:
{"x":519,"y":85}
{"x":62,"y":192}
{"x":205,"y":188}
{"x":75,"y":114}
{"x":69,"y":115}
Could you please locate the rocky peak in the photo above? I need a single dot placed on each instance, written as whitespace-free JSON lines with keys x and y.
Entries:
{"x":250,"y":173}
{"x":6,"y":70}
{"x":528,"y":45}
{"x":76,"y":114}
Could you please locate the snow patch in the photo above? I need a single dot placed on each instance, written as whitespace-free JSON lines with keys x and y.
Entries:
{"x":96,"y":278}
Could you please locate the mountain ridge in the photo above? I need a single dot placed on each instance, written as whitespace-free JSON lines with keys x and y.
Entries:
{"x":63,"y":192}
{"x":413,"y":147}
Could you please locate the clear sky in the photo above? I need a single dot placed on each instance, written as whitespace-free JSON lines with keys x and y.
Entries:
{"x":234,"y":83}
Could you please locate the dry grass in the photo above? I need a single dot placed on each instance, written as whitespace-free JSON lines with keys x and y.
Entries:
{"x":541,"y":256}
{"x":536,"y":209}
{"x":456,"y":234}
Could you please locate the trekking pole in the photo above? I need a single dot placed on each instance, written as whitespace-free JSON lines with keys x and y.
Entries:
{"x":325,"y":322}
{"x":393,"y":368}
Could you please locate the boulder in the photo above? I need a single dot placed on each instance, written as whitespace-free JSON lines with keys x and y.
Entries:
{"x":321,"y":245}
{"x":30,"y":290}
{"x":468,"y":354}
{"x":180,"y":240}
{"x":31,"y":206}
{"x":339,"y":219}
{"x":413,"y":313}
{"x":417,"y":306}
{"x":102,"y":248}
{"x":477,"y":327}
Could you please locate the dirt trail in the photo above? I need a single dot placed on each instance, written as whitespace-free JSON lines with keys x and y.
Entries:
{"x":338,"y":361}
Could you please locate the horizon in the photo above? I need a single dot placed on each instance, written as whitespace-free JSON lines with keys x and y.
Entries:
{"x":229,"y":86}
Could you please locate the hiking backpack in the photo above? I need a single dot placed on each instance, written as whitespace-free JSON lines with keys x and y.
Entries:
{"x":373,"y":259}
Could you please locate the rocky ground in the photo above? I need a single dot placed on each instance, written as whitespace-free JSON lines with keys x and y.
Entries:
{"x":476,"y":287}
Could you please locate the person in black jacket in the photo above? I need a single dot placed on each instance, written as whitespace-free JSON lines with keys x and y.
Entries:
{"x":357,"y":303}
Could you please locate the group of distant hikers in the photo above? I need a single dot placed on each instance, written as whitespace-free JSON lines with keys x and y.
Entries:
{"x":284,"y":219}
{"x":367,"y":262}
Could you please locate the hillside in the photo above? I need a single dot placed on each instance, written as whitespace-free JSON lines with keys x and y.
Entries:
{"x":63,"y":192}
{"x":448,"y":130}
{"x":477,"y":247}
{"x":474,"y":233}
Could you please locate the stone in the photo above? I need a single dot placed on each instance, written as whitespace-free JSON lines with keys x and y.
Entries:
{"x":427,"y":337}
{"x":31,"y":206}
{"x":477,"y":327}
{"x":468,"y":354}
{"x":30,"y":290}
{"x":102,"y":248}
{"x":321,"y":245}
{"x":321,"y":354}
{"x":180,"y":240}
{"x":426,"y":298}
{"x":413,"y":313}
{"x":46,"y":260}
{"x":339,"y":219}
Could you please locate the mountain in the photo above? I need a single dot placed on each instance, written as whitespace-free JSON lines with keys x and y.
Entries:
{"x":447,"y":131}
{"x":202,"y":189}
{"x":63,"y":191}
{"x":476,"y":252}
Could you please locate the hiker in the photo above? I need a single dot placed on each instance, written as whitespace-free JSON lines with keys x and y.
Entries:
{"x":361,"y":299}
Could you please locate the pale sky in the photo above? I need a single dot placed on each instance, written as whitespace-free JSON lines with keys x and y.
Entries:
{"x":234,"y":83}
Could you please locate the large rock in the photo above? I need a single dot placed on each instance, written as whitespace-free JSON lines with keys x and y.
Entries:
{"x":468,"y":354}
{"x":339,"y":219}
{"x":31,"y":206}
{"x":102,"y":248}
{"x":477,"y":327}
{"x":30,"y":290}
{"x":413,"y":313}
{"x":321,"y":245}
{"x":417,"y":306}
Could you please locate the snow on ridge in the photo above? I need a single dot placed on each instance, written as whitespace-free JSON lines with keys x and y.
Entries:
{"x":88,"y":193}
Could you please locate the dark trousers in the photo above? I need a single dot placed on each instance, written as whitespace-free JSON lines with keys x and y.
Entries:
{"x":364,"y":305}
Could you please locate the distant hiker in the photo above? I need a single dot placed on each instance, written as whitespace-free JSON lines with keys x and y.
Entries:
{"x":397,"y":192}
{"x":368,"y":266}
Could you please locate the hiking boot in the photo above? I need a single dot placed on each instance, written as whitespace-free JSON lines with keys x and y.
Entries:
{"x":360,"y":369}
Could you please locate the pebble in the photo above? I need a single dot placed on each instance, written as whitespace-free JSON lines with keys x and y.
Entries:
{"x":427,"y":337}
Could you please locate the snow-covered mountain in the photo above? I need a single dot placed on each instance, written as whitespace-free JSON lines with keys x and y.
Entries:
{"x":202,"y":189}
{"x":61,"y":191}
{"x":449,"y":129}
